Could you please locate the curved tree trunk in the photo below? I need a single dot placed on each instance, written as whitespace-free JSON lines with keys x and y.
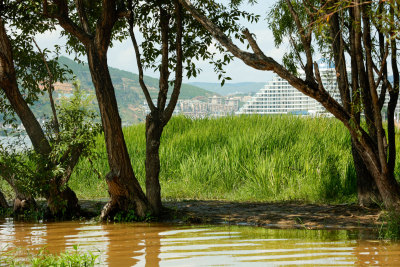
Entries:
{"x":371,"y":145}
{"x":367,"y":190}
{"x":154,"y":130}
{"x":123,"y":187}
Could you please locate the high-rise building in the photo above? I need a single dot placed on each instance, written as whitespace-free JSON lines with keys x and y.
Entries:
{"x":279,"y":97}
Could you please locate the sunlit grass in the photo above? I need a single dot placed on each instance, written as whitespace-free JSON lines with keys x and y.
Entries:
{"x":43,"y":257}
{"x":246,"y":158}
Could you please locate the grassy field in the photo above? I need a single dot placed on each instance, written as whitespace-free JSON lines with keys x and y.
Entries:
{"x":247,"y":158}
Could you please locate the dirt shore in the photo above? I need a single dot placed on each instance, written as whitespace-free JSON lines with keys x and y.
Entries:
{"x":269,"y":215}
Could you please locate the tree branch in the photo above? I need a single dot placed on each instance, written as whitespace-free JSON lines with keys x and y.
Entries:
{"x":105,"y":25}
{"x":394,"y":95}
{"x":50,"y":89}
{"x":375,"y":100}
{"x":65,"y":21}
{"x":309,"y":88}
{"x":306,"y":40}
{"x":291,"y":40}
{"x":9,"y":85}
{"x":340,"y":61}
{"x":318,"y":77}
{"x":164,"y":72}
{"x":71,"y":161}
{"x":82,"y":16}
{"x":139,"y":64}
{"x":254,"y":46}
{"x":179,"y":59}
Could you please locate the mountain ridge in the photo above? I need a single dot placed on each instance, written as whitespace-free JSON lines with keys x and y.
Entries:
{"x":128,"y":92}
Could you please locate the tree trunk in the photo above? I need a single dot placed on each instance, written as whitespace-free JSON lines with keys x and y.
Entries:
{"x":9,"y":85}
{"x":3,"y":201}
{"x":386,"y":183}
{"x":154,"y":130}
{"x":367,"y":190}
{"x":123,"y":187}
{"x":23,"y":202}
{"x":389,"y":189}
{"x":62,"y":204}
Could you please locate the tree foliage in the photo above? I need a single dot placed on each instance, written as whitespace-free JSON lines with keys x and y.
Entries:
{"x":30,"y":171}
{"x":23,"y":22}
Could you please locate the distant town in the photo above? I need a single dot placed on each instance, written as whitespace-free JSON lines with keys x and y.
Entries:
{"x":216,"y":106}
{"x":277,"y":96}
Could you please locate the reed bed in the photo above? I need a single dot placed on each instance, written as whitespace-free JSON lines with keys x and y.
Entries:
{"x":239,"y":158}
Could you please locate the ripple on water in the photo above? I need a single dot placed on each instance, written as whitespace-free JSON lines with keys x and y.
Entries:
{"x":166,"y":245}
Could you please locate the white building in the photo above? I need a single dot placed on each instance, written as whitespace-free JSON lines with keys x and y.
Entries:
{"x":279,"y":97}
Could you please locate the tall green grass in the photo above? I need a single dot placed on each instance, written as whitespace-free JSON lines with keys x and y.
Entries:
{"x":246,"y":158}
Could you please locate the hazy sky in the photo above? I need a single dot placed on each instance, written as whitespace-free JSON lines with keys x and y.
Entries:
{"x":122,"y":54}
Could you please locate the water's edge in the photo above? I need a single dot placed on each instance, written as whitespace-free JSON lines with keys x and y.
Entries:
{"x":200,"y":245}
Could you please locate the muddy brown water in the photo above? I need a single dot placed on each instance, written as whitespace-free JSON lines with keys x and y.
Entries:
{"x":151,"y":245}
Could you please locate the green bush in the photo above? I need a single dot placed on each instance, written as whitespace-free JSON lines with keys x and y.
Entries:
{"x":73,"y":258}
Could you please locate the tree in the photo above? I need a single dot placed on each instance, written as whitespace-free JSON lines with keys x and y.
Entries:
{"x":160,"y":113}
{"x":176,"y":39}
{"x":45,"y":171}
{"x":90,"y":26}
{"x":348,"y":28}
{"x":330,"y":43}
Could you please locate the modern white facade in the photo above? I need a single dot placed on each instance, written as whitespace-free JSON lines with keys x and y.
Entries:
{"x":279,"y":97}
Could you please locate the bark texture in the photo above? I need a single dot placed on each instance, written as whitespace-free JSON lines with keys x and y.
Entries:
{"x":124,"y":189}
{"x":154,"y":130}
{"x":367,"y":190}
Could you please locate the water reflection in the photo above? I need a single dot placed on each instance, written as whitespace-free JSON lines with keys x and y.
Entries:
{"x":164,"y":245}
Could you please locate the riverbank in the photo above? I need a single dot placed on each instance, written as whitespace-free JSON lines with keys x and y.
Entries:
{"x":281,"y":215}
{"x":244,"y":162}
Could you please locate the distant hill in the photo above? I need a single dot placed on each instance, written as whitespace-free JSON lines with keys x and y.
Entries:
{"x":230,"y":88}
{"x":127,"y":89}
